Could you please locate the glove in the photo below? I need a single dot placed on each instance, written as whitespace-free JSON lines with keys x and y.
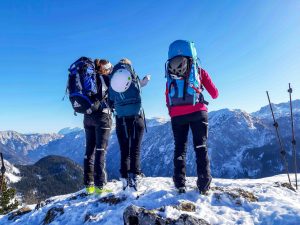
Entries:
{"x":145,"y":80}
{"x":95,"y":106}
{"x":148,"y":77}
{"x":89,"y":111}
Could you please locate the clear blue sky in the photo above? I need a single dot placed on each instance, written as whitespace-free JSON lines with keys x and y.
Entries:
{"x":248,"y":47}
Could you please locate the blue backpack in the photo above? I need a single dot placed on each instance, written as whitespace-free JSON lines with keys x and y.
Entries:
{"x":127,"y":103}
{"x":187,"y":89}
{"x":81,"y":84}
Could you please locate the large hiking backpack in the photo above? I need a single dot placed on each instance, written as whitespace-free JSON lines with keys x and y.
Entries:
{"x":82,"y":84}
{"x":183,"y":81}
{"x":127,"y":102}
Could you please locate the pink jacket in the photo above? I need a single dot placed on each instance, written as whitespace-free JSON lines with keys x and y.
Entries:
{"x":187,"y":109}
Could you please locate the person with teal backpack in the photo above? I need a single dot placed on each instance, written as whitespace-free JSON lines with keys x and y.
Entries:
{"x":186,"y":81}
{"x":125,"y":95}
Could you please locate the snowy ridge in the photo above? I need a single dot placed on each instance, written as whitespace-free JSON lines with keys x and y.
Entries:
{"x":23,"y":143}
{"x":261,"y":201}
{"x":280,"y":110}
{"x":240,"y":145}
{"x":156,"y":121}
{"x":68,"y":130}
{"x":12,"y":173}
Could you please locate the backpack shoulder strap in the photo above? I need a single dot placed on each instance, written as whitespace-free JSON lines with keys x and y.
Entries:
{"x":104,"y":88}
{"x":199,"y":72}
{"x":125,"y":66}
{"x":103,"y":84}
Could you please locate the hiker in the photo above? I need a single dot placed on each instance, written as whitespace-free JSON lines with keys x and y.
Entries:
{"x":125,"y":94}
{"x":97,"y":125}
{"x":185,"y":82}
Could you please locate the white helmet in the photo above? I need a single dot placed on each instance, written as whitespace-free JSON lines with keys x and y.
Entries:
{"x":121,"y":80}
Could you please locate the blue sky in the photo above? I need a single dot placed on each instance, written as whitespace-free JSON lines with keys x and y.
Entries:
{"x":247,"y":47}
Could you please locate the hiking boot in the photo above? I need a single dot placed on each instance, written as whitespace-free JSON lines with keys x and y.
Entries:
{"x":204,"y":192}
{"x":135,"y":180}
{"x":203,"y":184}
{"x":90,"y":189}
{"x":98,"y":190}
{"x":101,"y":190}
{"x":125,"y":183}
{"x":181,"y":190}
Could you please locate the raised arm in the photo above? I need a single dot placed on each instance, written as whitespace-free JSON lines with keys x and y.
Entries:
{"x":208,"y":84}
{"x":145,"y":80}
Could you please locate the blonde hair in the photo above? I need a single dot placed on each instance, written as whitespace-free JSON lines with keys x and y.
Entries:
{"x":125,"y":61}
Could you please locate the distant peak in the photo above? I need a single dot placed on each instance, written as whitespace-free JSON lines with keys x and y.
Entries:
{"x":68,"y":130}
{"x":156,"y":121}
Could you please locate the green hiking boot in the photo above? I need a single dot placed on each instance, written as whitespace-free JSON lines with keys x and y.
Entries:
{"x":90,"y":190}
{"x":101,"y":190}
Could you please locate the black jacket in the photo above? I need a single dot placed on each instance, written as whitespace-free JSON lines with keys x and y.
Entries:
{"x":101,"y":100}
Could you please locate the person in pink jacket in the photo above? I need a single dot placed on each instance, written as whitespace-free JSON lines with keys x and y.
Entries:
{"x":185,"y":115}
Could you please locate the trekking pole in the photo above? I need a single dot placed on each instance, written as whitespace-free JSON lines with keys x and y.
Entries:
{"x":3,"y":169}
{"x":282,"y":151}
{"x":290,"y":90}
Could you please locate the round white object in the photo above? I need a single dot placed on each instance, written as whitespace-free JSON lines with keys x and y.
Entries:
{"x":121,"y":80}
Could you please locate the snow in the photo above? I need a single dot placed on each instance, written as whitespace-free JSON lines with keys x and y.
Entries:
{"x":68,"y":130}
{"x":275,"y":205}
{"x":156,"y":121}
{"x":11,"y":172}
{"x":12,"y":178}
{"x":280,"y":110}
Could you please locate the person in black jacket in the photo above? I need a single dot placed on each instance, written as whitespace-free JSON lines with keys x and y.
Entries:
{"x":97,"y":127}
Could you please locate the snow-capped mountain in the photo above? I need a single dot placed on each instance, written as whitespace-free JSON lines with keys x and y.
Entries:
{"x":70,"y":145}
{"x":231,"y":133}
{"x":240,"y":144}
{"x":280,"y":110}
{"x":156,"y":121}
{"x":68,"y":130}
{"x":16,"y":146}
{"x":263,"y":201}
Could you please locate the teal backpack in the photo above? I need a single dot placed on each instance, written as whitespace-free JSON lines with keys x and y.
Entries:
{"x":184,"y":89}
{"x":128,"y":103}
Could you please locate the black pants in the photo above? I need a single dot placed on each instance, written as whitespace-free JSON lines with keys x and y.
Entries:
{"x":198,"y":122}
{"x":130,"y":131}
{"x":97,"y":131}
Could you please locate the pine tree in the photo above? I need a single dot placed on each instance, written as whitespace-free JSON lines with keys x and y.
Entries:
{"x":7,"y":198}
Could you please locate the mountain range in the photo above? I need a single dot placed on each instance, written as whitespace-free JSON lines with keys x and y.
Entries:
{"x":51,"y":175}
{"x":240,"y":144}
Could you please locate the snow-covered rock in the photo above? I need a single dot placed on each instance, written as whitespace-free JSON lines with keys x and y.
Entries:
{"x":243,"y":201}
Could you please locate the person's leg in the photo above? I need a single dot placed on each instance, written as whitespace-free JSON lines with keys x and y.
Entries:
{"x":199,"y":129}
{"x":102,"y":136}
{"x":122,"y":134}
{"x":180,"y":132}
{"x":136,"y":137}
{"x":89,"y":155}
